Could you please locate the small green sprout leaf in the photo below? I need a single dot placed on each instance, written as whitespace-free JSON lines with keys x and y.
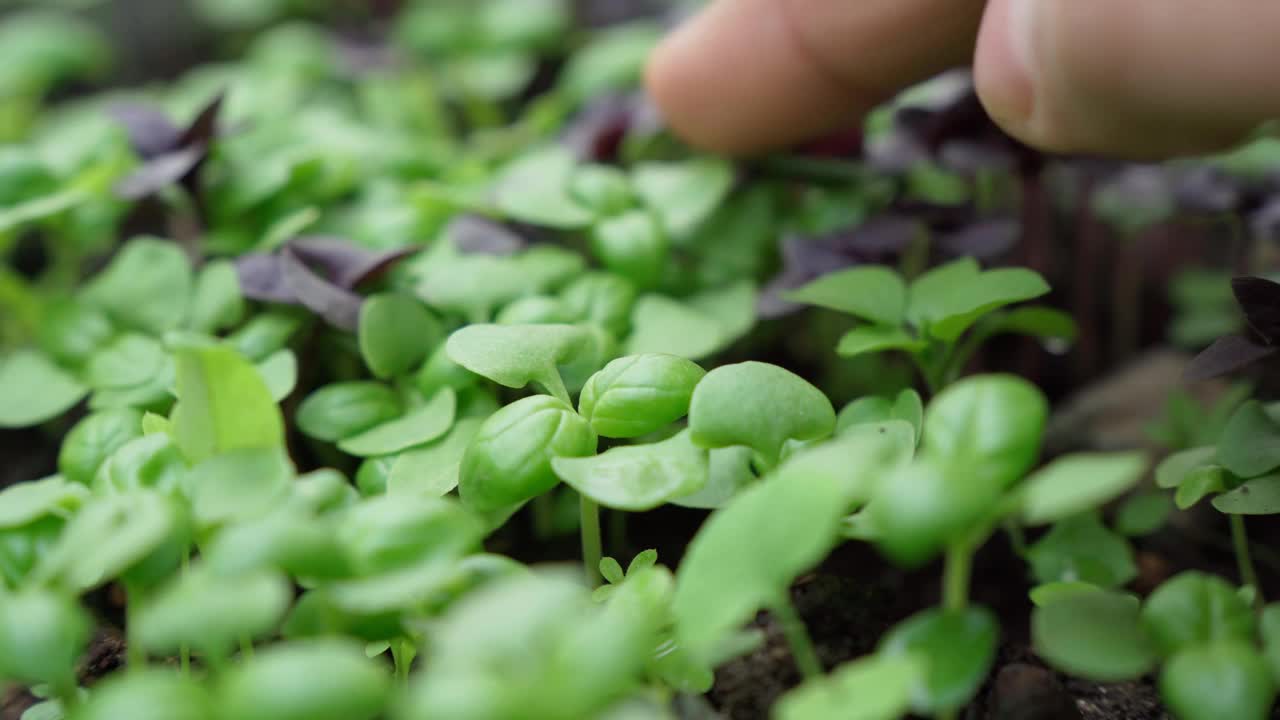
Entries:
{"x":992,"y":424}
{"x":1095,"y":635}
{"x":94,"y":439}
{"x":631,"y":245}
{"x":1081,"y":548}
{"x":238,"y":485}
{"x":42,"y":635}
{"x":223,"y":403}
{"x":395,"y":333}
{"x":509,"y":460}
{"x":728,"y":472}
{"x":611,"y":570}
{"x":22,"y":503}
{"x":955,"y":649}
{"x":1259,"y":496}
{"x":417,"y":426}
{"x":875,"y":688}
{"x":639,"y":394}
{"x":146,"y":287}
{"x":128,"y":361}
{"x":1050,"y":592}
{"x":432,"y":470}
{"x":683,"y":194}
{"x":746,"y":555}
{"x":877,"y":338}
{"x":1222,"y":680}
{"x":1250,"y":444}
{"x":280,"y":372}
{"x":946,"y":300}
{"x":341,"y":410}
{"x":758,"y":405}
{"x":33,"y":389}
{"x":315,"y":679}
{"x":1077,"y":483}
{"x":216,"y":303}
{"x":870,"y":292}
{"x":150,"y":694}
{"x":1195,"y":609}
{"x":660,"y":324}
{"x":1143,"y":513}
{"x":535,"y":189}
{"x":210,"y":612}
{"x":639,"y":477}
{"x":516,"y":355}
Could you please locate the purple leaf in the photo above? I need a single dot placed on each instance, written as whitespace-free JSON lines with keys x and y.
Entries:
{"x":150,"y":131}
{"x":1259,"y":298}
{"x":1226,"y":354}
{"x":204,"y":127}
{"x":344,"y":264}
{"x":262,"y":278}
{"x":985,"y":239}
{"x":160,"y":172}
{"x":340,"y":307}
{"x":595,"y":134}
{"x":473,"y":234}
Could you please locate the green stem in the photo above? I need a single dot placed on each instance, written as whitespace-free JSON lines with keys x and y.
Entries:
{"x":401,"y":658}
{"x":544,"y":516}
{"x":955,"y":577}
{"x":1244,"y":560}
{"x":68,"y":693}
{"x":184,"y":650}
{"x":797,"y":636}
{"x":592,"y":551}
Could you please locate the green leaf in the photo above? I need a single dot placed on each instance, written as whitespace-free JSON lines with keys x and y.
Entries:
{"x":612,"y":59}
{"x":1182,"y":465}
{"x":1250,"y":444}
{"x":1195,"y":609}
{"x":432,"y":470}
{"x":1082,"y":549}
{"x":211,"y":613}
{"x":610,"y":570}
{"x":71,"y":331}
{"x":238,"y":485}
{"x":1051,"y":592}
{"x":395,"y":333}
{"x":1143,"y":514}
{"x":747,"y":553}
{"x":265,"y":334}
{"x":869,"y":292}
{"x":660,"y":324}
{"x":280,"y":373}
{"x":509,"y":461}
{"x":341,"y":410}
{"x":907,"y":407}
{"x":146,"y":287}
{"x":1078,"y":482}
{"x":925,"y":504}
{"x":1223,"y":680}
{"x":22,"y":503}
{"x":149,"y":462}
{"x":216,"y":303}
{"x":1034,"y":320}
{"x":639,"y":394}
{"x":758,"y":405}
{"x":385,"y":533}
{"x":147,"y":694}
{"x":873,"y":339}
{"x":945,"y":301}
{"x":728,"y":472}
{"x":683,"y":194}
{"x":1095,"y":635}
{"x":1269,"y":630}
{"x":34,"y":390}
{"x":94,"y":439}
{"x":991,"y":424}
{"x":320,"y":679}
{"x":535,"y":189}
{"x":223,"y":404}
{"x":1259,"y":496}
{"x":516,"y":355}
{"x":873,"y":688}
{"x":631,"y":245}
{"x":955,"y":648}
{"x":129,"y":360}
{"x":417,"y":426}
{"x":42,"y":634}
{"x":1200,"y":483}
{"x":112,"y":536}
{"x":638,"y":477}
{"x":602,"y":299}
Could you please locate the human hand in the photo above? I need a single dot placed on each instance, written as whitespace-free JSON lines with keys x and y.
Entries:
{"x":1137,"y":78}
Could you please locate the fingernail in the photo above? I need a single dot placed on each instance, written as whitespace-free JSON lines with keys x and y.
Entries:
{"x":1006,"y":61}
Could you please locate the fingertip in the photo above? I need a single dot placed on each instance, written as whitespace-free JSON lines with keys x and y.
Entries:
{"x":1003,"y":66}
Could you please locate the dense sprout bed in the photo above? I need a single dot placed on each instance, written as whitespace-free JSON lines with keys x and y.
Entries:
{"x":307,"y":355}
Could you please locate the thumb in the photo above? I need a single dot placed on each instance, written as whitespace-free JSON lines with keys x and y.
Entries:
{"x":1140,"y":78}
{"x":750,"y":75}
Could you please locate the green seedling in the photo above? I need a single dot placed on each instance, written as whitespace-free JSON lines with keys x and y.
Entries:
{"x":938,"y":319}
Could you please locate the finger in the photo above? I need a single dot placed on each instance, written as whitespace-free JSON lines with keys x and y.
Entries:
{"x":750,"y":75}
{"x":1139,"y":78}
